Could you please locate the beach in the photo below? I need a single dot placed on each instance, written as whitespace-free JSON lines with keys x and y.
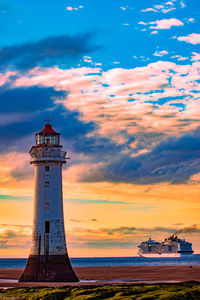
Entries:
{"x":111,"y":275}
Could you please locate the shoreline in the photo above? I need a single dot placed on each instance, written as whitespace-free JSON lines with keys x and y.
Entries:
{"x":111,"y":275}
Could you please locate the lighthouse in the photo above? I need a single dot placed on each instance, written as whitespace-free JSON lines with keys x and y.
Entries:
{"x":48,"y":259}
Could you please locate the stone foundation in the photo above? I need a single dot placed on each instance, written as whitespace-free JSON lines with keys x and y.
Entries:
{"x":54,"y":268}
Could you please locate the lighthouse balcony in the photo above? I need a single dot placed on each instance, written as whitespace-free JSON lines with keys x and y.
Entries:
{"x":50,"y":154}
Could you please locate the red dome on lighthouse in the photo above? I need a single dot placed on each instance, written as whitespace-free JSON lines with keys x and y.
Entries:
{"x":48,"y":136}
{"x":48,"y":129}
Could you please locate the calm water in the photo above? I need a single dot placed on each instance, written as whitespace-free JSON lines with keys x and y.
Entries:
{"x":110,"y":261}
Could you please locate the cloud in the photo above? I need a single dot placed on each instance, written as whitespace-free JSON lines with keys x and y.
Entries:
{"x":161,"y":53}
{"x":164,"y":8}
{"x":28,"y":99}
{"x":195,"y":56}
{"x":182,"y":4}
{"x":126,"y":7}
{"x":83,"y":221}
{"x":174,"y":160}
{"x":190,"y":20}
{"x":179,"y":57}
{"x":149,"y":9}
{"x":28,"y":103}
{"x":85,"y":201}
{"x":95,"y":145}
{"x":118,"y":237}
{"x":15,"y":237}
{"x":87,"y":59}
{"x":147,"y":105}
{"x":70,"y":8}
{"x":165,"y":23}
{"x":193,"y":38}
{"x":10,"y":197}
{"x":16,"y":226}
{"x":23,"y":172}
{"x":12,"y":235}
{"x":189,"y":229}
{"x":161,"y":24}
{"x":46,"y":52}
{"x":33,"y":104}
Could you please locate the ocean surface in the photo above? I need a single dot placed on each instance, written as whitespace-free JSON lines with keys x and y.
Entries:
{"x":111,"y":261}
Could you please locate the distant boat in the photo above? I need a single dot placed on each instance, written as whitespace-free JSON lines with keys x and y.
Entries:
{"x":170,"y":247}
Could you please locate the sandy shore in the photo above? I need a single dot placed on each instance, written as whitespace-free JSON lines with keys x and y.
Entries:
{"x":103,"y":275}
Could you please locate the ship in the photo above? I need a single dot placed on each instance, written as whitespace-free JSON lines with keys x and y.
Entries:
{"x":170,"y":247}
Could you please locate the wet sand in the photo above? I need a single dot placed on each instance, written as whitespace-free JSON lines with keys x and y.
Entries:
{"x":111,"y":275}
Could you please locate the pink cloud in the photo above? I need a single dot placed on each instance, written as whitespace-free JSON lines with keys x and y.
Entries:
{"x":121,"y":96}
{"x":161,"y":53}
{"x":4,"y":77}
{"x":164,"y":8}
{"x":165,"y":23}
{"x":149,"y":9}
{"x":9,"y":163}
{"x":193,"y":38}
{"x":70,"y":8}
{"x":169,"y":3}
{"x":195,"y":57}
{"x":179,"y":57}
{"x":142,"y":23}
{"x":154,"y":32}
{"x":182,"y":4}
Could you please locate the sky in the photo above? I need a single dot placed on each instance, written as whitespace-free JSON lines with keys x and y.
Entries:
{"x":120,"y":81}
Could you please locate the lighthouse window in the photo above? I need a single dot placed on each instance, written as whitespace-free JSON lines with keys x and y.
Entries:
{"x":47,"y":168}
{"x":47,"y":139}
{"x":47,"y":183}
{"x":47,"y":227}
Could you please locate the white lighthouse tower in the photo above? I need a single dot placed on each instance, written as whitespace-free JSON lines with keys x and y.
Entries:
{"x":48,"y":259}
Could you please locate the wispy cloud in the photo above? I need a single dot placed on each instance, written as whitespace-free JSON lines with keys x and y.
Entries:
{"x":163,"y":24}
{"x":83,"y":221}
{"x":48,"y":51}
{"x":149,"y":104}
{"x":14,"y":236}
{"x":132,"y":91}
{"x":9,"y":197}
{"x":182,"y":4}
{"x":161,"y":53}
{"x":126,"y":7}
{"x":122,"y":237}
{"x":195,"y":56}
{"x":193,"y":38}
{"x":84,"y":201}
{"x":70,"y":8}
{"x":179,"y":57}
{"x":164,"y":8}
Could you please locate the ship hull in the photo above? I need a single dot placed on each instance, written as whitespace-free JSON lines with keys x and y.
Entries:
{"x":165,"y":255}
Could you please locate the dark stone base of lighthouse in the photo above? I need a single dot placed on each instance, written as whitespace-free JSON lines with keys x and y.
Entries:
{"x":54,"y":268}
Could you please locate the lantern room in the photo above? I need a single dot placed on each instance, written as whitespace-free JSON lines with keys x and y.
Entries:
{"x":48,"y":136}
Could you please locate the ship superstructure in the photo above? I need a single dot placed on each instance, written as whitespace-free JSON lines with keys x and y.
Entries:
{"x":170,"y":247}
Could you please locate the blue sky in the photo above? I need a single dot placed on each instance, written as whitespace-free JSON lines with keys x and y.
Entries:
{"x":114,"y":26}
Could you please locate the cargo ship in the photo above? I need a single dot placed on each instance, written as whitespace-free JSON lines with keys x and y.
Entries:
{"x":170,"y":247}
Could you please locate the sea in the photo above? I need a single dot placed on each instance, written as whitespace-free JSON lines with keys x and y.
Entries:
{"x":111,"y":261}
